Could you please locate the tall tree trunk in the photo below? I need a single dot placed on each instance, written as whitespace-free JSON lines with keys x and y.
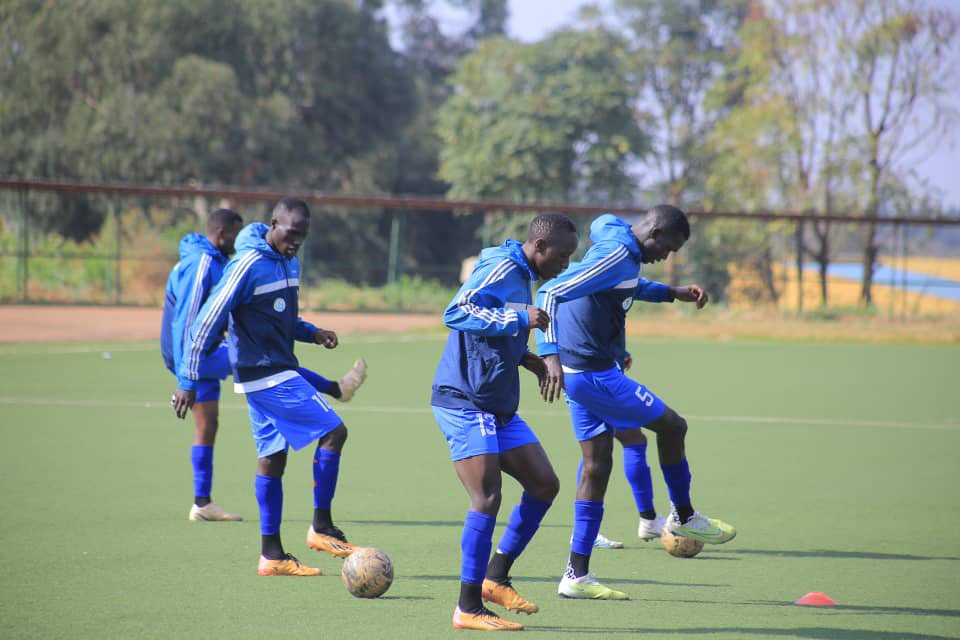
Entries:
{"x":870,"y":249}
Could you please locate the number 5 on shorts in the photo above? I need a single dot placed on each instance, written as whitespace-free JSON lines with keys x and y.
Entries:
{"x":643,"y":395}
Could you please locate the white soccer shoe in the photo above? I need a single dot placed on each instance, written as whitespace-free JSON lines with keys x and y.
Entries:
{"x":212,"y":512}
{"x":352,"y":380}
{"x":603,"y":542}
{"x":650,"y":529}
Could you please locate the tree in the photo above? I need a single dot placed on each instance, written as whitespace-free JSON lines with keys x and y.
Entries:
{"x":548,"y":121}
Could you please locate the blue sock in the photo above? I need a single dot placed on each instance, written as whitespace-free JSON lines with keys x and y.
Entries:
{"x":202,"y":458}
{"x":476,"y":542}
{"x":269,"y":492}
{"x":316,"y":380}
{"x":587,"y":515}
{"x":677,"y":477}
{"x":524,"y":521}
{"x":638,"y":475}
{"x":326,"y":468}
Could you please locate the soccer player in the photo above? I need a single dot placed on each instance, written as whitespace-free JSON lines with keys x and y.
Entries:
{"x":202,"y":260}
{"x":258,"y":296}
{"x":581,"y":349}
{"x":476,"y":392}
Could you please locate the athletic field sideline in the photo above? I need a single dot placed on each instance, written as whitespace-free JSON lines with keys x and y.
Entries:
{"x":836,"y":462}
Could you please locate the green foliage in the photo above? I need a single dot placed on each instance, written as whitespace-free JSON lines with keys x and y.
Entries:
{"x":542,"y":122}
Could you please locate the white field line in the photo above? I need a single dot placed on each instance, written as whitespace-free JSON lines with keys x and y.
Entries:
{"x":104,"y":347}
{"x":840,"y":422}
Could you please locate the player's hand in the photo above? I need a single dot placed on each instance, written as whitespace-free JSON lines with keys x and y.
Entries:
{"x":328,"y":339}
{"x":182,"y":401}
{"x":551,"y":387}
{"x":691,"y":293}
{"x":539,"y":319}
{"x":627,"y":362}
{"x":536,"y":366}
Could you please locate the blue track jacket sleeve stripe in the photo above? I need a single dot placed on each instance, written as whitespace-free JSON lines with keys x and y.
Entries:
{"x":479,"y":309}
{"x":304,"y":331}
{"x":195,"y":297}
{"x":211,"y":321}
{"x":583,"y":279}
{"x":651,"y":291}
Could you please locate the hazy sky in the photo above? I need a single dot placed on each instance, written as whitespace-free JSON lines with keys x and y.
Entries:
{"x":531,"y":19}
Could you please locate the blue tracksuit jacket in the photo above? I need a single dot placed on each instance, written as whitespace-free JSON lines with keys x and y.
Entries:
{"x":258,"y":296}
{"x":588,"y":302}
{"x":488,"y":338}
{"x":188,"y":286}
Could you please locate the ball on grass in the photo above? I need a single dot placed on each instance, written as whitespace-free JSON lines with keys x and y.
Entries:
{"x":367,"y":572}
{"x":680,"y":546}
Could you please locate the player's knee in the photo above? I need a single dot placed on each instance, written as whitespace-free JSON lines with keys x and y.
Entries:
{"x":598,"y":468}
{"x":272,"y":466}
{"x":335,"y":440}
{"x":681,"y":426}
{"x":549,"y":488}
{"x":487,"y":502}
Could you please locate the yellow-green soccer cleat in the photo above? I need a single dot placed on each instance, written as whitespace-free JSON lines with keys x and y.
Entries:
{"x":289,"y":566}
{"x":588,"y":588}
{"x":352,"y":380}
{"x":507,"y":597}
{"x":702,"y":528}
{"x":485,"y":620}
{"x":212,"y":512}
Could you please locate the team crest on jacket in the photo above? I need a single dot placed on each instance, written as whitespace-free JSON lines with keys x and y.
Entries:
{"x":627,"y":303}
{"x":279,"y":305}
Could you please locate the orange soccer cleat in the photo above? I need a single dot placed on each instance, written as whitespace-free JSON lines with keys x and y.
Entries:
{"x":507,"y":597}
{"x":485,"y":620}
{"x":335,"y":545}
{"x":289,"y":566}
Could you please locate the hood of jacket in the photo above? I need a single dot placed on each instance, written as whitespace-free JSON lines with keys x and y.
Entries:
{"x":609,"y":227}
{"x":510,"y":249}
{"x":254,"y":236}
{"x":197,"y":243}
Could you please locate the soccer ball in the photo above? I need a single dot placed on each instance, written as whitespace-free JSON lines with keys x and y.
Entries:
{"x":680,"y":546}
{"x":367,"y":572}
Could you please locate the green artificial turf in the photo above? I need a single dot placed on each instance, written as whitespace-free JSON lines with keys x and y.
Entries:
{"x":837,"y":463}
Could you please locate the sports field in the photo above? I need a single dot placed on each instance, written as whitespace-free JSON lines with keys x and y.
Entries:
{"x":837,"y":463}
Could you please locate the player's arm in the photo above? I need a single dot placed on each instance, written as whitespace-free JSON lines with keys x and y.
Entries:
{"x":206,"y":332}
{"x":600,"y":273}
{"x":307,"y":332}
{"x":690,"y":293}
{"x":480,"y":308}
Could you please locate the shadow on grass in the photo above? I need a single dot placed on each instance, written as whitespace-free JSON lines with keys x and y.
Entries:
{"x":840,"y":608}
{"x":811,"y":633}
{"x":520,"y":579}
{"x":429,"y":523}
{"x":829,"y":553}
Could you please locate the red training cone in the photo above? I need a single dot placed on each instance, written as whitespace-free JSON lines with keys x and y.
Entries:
{"x":816,"y":599}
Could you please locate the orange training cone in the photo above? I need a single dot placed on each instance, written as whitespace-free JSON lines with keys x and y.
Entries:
{"x":816,"y":599}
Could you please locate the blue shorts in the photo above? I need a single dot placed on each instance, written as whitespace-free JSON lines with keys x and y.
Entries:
{"x":471,"y":432}
{"x":291,"y":414}
{"x":213,"y":368}
{"x":608,"y":401}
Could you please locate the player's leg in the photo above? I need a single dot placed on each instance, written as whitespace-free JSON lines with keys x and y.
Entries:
{"x":342,"y":389}
{"x":475,"y":451}
{"x":323,"y":535}
{"x":602,"y":541}
{"x":577,"y":580}
{"x":671,"y":430}
{"x":638,"y":475}
{"x":524,"y":459}
{"x":265,"y":411}
{"x":205,"y":416}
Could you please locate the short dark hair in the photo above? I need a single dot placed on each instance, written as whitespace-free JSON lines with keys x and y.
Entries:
{"x":549,"y":224}
{"x":671,"y":218}
{"x":223,"y":218}
{"x":293,"y":204}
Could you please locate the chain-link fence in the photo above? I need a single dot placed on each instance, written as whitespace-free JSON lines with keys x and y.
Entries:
{"x":115,"y":244}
